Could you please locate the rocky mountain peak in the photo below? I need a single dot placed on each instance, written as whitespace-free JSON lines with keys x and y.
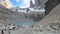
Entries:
{"x":7,"y":3}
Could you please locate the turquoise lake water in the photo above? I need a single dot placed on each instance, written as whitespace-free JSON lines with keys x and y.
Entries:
{"x":25,"y":23}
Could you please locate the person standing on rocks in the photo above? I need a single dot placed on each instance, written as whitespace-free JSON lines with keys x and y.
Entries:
{"x":2,"y":31}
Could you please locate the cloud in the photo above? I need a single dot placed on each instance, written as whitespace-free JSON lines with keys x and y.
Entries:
{"x":26,"y":3}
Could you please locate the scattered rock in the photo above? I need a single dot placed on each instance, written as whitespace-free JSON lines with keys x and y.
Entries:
{"x":41,"y":30}
{"x":55,"y":26}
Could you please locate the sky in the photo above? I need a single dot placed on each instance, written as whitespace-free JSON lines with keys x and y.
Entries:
{"x":21,"y":3}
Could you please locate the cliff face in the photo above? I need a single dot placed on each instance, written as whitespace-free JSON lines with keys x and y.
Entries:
{"x":39,"y":4}
{"x":31,"y":4}
{"x":7,"y":3}
{"x":50,"y":4}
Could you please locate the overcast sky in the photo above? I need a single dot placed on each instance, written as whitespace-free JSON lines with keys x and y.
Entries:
{"x":21,"y":3}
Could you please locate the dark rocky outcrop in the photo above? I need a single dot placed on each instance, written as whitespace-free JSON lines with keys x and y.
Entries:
{"x":50,"y":4}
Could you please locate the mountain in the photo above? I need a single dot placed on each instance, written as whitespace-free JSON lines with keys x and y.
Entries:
{"x":31,"y":4}
{"x":39,"y":4}
{"x":7,"y":3}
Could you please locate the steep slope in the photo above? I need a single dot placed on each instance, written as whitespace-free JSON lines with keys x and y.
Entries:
{"x":52,"y":17}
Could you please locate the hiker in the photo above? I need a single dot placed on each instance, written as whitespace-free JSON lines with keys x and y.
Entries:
{"x":2,"y":31}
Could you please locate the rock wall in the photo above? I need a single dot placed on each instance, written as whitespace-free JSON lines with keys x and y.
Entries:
{"x":50,"y":4}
